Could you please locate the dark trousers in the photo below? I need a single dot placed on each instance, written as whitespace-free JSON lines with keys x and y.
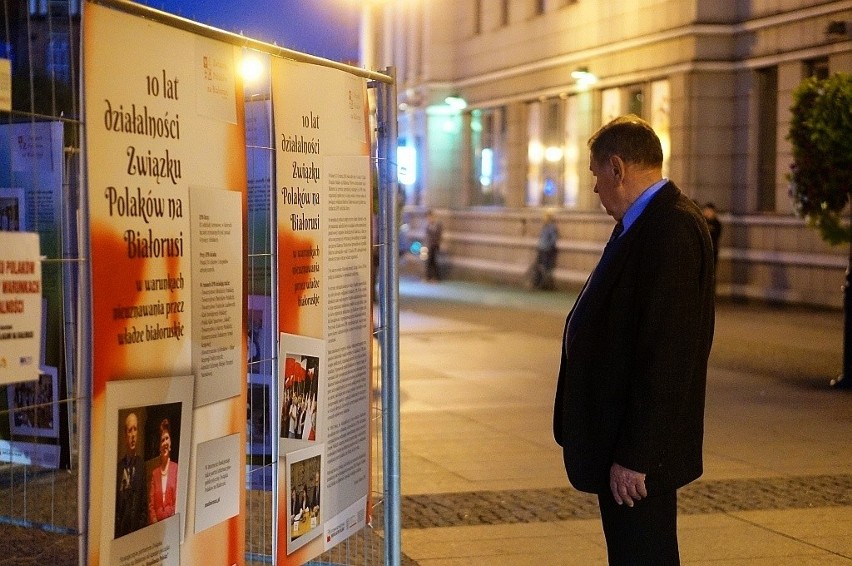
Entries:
{"x":541,"y":276}
{"x":645,"y":534}
{"x":432,"y":264}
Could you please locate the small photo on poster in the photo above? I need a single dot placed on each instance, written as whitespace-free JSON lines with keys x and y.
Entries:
{"x":305,"y":504}
{"x":260,"y":415}
{"x":12,"y":210}
{"x":34,"y":405}
{"x":146,"y":456}
{"x":301,"y":367}
{"x":147,"y":465}
{"x":260,"y":334}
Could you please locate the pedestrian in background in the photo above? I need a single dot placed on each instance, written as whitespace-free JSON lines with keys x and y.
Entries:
{"x":541,"y":276}
{"x":434,"y":232}
{"x":629,"y":408}
{"x":715,"y":227}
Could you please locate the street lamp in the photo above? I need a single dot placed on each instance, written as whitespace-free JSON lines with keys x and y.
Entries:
{"x":456,"y":102}
{"x":251,"y":67}
{"x":584,"y":78}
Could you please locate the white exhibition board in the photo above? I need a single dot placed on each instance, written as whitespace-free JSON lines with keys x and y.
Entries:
{"x":166,"y":176}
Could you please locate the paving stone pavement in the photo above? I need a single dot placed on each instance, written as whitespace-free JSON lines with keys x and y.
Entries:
{"x":34,"y":546}
{"x":563,"y":504}
{"x":49,"y":499}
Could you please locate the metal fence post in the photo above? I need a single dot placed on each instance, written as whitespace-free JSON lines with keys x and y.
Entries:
{"x":389,"y":310}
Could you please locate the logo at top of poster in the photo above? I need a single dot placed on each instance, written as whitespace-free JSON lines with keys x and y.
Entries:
{"x":215,"y":80}
{"x":356,"y":103}
{"x":31,"y":146}
{"x":217,"y":72}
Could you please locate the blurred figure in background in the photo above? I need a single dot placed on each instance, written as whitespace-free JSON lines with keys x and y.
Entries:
{"x":541,"y":272}
{"x":434,"y":231}
{"x":715,"y":227}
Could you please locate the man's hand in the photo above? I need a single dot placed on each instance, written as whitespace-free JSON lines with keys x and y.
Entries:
{"x":626,"y":485}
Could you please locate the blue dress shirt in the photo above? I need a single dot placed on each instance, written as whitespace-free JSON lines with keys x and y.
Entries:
{"x":638,"y":206}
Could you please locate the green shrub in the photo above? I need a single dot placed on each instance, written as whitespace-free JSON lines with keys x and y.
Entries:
{"x":821,"y":136}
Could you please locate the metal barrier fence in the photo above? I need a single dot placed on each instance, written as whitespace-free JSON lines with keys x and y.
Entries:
{"x":40,"y":131}
{"x":44,"y":424}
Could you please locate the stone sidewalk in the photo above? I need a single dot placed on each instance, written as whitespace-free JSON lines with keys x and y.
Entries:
{"x":483,"y":481}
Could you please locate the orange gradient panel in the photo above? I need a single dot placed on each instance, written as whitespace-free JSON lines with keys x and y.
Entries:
{"x":118,"y":282}
{"x":237,"y":170}
{"x":237,"y":525}
{"x":113,"y":283}
{"x":290,"y":313}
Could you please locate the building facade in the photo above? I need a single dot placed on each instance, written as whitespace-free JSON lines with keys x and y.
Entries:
{"x":498,"y":97}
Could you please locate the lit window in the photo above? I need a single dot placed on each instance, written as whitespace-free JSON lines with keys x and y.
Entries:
{"x":38,"y":7}
{"x":487,"y":139}
{"x":546,"y":146}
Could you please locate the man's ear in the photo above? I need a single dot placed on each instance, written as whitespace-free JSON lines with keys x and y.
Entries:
{"x":617,"y":165}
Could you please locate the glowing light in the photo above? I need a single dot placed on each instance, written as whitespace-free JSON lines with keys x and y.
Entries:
{"x":457,"y":103}
{"x":549,"y":187}
{"x":486,"y":167}
{"x":553,"y":153}
{"x":584,"y":78}
{"x":406,"y":168}
{"x":572,"y":177}
{"x":535,"y":152}
{"x":251,"y":68}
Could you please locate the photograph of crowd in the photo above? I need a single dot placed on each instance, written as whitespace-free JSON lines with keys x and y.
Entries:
{"x":305,"y":505}
{"x":299,"y":403}
{"x":34,"y":406}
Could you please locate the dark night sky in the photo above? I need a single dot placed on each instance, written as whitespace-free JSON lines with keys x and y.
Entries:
{"x":326,"y":28}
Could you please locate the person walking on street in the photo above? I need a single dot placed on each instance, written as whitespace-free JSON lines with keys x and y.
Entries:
{"x":434,"y":232}
{"x":545,"y":260}
{"x":629,"y":407}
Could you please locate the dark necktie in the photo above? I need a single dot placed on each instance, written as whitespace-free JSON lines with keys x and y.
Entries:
{"x":616,"y":231}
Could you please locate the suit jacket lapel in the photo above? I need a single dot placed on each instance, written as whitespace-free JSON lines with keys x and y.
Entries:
{"x":615,"y":264}
{"x":613,"y":260}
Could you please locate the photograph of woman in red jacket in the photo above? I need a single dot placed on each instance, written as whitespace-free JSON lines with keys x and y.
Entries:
{"x":162,"y":489}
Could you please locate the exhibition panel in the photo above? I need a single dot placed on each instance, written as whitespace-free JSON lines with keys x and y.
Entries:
{"x":217,"y":285}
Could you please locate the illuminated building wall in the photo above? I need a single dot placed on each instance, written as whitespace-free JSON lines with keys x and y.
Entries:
{"x":714,"y":78}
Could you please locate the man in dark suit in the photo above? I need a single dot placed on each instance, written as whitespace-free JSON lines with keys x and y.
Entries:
{"x":131,"y":498}
{"x":314,"y":495}
{"x":629,"y":409}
